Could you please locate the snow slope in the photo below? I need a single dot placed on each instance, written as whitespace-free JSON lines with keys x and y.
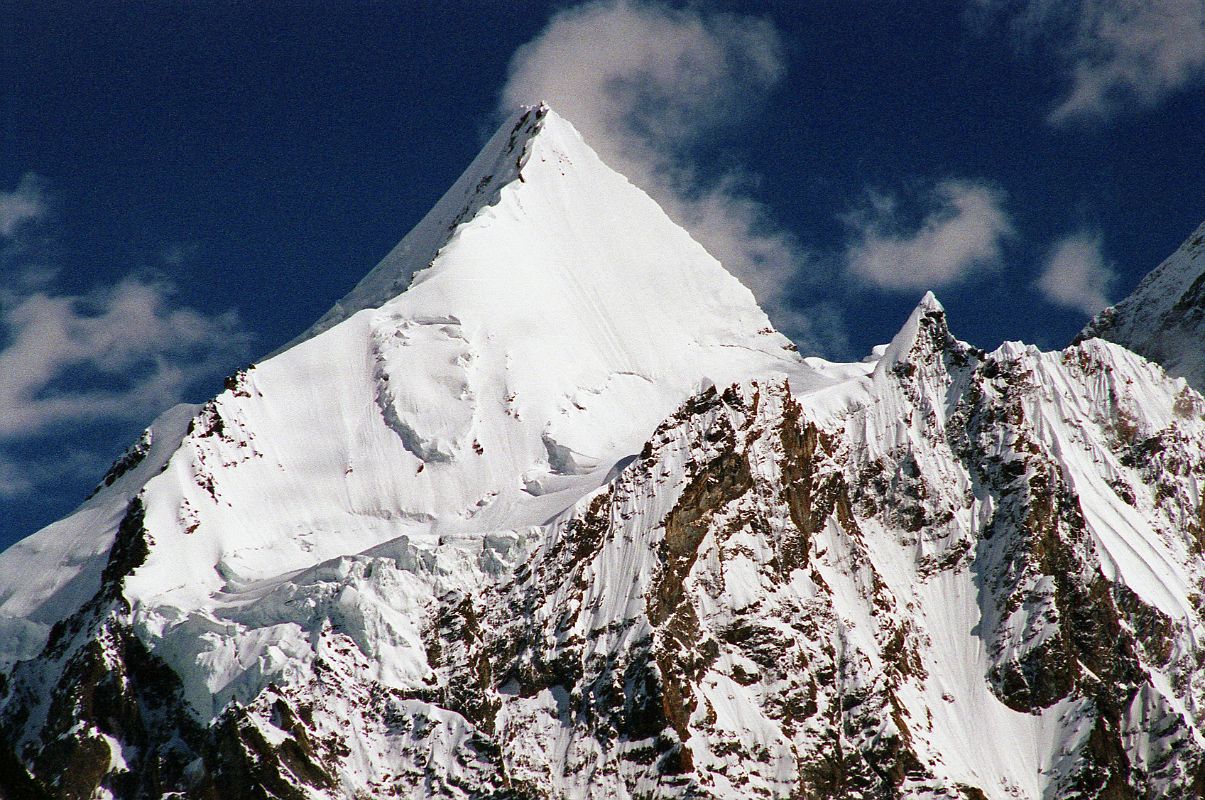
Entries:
{"x":47,"y":576}
{"x":1164,"y":317}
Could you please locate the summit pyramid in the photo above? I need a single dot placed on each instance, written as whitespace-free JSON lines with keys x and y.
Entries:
{"x":529,"y":333}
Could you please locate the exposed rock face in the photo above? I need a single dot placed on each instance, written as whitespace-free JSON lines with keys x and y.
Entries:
{"x":765,"y":602}
{"x":96,"y":710}
{"x":939,"y":573}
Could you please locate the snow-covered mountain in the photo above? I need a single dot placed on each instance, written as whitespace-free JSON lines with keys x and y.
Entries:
{"x":545,"y":508}
{"x":1164,"y":317}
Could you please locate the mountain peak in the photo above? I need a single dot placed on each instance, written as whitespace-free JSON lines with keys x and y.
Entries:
{"x":526,"y":336}
{"x":925,"y":332}
{"x":1163,"y":319}
{"x":548,"y":503}
{"x":930,"y":303}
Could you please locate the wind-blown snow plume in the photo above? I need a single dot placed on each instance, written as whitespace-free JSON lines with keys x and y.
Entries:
{"x":645,"y":83}
{"x":1076,"y":275}
{"x":962,"y":232}
{"x":1120,"y":53}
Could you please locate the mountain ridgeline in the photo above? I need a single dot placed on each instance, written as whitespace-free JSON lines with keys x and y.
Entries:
{"x":1164,"y":318}
{"x":545,"y":508}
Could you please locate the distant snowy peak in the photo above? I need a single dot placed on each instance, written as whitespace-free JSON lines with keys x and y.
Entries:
{"x":1164,"y":318}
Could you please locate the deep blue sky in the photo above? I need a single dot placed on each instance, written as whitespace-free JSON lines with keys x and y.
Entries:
{"x":279,"y":150}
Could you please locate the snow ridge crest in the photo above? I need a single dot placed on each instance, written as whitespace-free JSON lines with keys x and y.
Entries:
{"x":499,"y":163}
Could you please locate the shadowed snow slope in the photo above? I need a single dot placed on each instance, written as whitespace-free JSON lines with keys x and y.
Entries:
{"x":545,"y":509}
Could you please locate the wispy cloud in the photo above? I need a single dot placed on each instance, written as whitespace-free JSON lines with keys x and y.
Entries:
{"x":1118,"y":53}
{"x":963,"y":226}
{"x":1076,"y":275}
{"x":645,"y":83}
{"x":177,"y":254}
{"x":120,"y":352}
{"x":49,"y":468}
{"x":142,"y":352}
{"x":27,"y":203}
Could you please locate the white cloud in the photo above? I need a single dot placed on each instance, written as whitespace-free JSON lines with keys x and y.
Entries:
{"x":27,"y":203}
{"x":14,"y":478}
{"x":962,"y":232}
{"x":1075,"y":274}
{"x":141,"y":353}
{"x":117,"y":353}
{"x":51,"y":468}
{"x":1119,"y":53}
{"x":644,"y":83}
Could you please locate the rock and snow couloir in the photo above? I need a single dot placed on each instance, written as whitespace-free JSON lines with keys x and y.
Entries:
{"x":546,"y":508}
